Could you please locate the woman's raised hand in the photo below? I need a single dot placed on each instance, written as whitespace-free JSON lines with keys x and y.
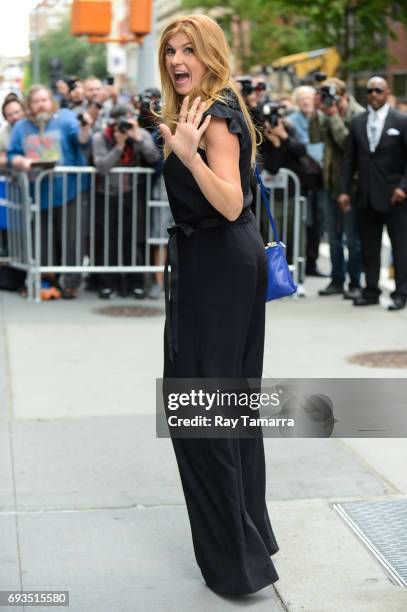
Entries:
{"x":184,"y":143}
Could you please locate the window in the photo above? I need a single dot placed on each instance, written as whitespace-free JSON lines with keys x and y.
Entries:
{"x":400,"y":85}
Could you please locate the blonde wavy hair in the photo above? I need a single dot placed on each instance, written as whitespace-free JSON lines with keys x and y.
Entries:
{"x":210,"y":47}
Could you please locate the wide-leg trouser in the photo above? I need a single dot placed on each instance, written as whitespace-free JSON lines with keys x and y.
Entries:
{"x":221,"y":319}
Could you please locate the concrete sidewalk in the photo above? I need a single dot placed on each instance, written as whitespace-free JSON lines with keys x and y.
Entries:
{"x":90,"y":499}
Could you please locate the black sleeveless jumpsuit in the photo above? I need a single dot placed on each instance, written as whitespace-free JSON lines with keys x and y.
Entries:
{"x":217,"y":331}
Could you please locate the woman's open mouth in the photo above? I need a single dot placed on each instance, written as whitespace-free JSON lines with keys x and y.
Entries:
{"x":181,"y":77}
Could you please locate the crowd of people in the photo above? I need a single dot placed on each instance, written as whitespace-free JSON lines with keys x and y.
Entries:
{"x":86,"y":124}
{"x":351,"y":162}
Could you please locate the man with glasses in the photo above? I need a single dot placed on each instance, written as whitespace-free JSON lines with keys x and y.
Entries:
{"x":377,"y":151}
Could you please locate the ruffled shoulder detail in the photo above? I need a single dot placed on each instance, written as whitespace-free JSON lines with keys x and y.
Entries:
{"x":230,"y":111}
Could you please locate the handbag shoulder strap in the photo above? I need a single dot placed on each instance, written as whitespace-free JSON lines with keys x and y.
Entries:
{"x":266,"y":204}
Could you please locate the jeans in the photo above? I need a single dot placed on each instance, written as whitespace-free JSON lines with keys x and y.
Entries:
{"x":313,"y":228}
{"x":343,"y":229}
{"x":3,"y":243}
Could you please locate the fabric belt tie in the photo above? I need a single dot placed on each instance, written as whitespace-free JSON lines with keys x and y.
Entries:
{"x":171,"y":284}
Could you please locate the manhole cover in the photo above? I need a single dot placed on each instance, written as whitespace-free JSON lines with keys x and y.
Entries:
{"x":381,"y":359}
{"x":130,"y":311}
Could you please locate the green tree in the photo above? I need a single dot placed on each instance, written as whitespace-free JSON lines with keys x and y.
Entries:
{"x":76,"y":54}
{"x":358,"y":28}
{"x":270,"y":34}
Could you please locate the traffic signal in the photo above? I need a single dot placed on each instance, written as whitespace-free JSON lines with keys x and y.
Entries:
{"x":140,"y":16}
{"x":91,"y":17}
{"x":56,"y":71}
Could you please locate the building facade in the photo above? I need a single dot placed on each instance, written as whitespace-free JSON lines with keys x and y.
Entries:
{"x":48,"y":15}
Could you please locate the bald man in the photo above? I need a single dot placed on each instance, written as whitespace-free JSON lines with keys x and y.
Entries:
{"x":377,"y":152}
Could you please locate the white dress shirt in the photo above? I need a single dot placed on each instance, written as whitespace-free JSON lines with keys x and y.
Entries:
{"x":375,"y":124}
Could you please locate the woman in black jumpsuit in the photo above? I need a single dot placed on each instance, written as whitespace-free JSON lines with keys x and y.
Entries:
{"x":215,"y":329}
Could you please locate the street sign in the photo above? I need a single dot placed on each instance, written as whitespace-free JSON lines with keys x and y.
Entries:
{"x":116,"y":59}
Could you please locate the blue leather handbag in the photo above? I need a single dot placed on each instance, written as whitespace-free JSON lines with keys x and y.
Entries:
{"x":280,"y":281}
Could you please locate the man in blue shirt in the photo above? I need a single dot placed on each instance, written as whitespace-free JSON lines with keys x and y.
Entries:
{"x":49,"y":136}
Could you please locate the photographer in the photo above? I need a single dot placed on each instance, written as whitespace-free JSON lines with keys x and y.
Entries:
{"x":146,"y":104}
{"x":76,"y":94}
{"x":86,"y":100}
{"x":330,"y":124}
{"x":122,"y":143}
{"x":281,"y":148}
{"x":87,"y":110}
{"x":252,"y":94}
{"x":62,"y":93}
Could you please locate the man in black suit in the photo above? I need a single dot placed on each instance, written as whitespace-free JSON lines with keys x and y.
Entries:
{"x":377,"y":151}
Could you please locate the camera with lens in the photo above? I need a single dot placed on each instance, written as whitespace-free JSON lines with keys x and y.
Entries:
{"x":157,"y":106}
{"x":149,"y":99}
{"x":246,"y":84}
{"x":146,"y":104}
{"x":272,"y":112}
{"x":121,"y":116}
{"x":329,"y":95}
{"x":123,"y":126}
{"x":71,"y":82}
{"x":96,"y":104}
{"x":81,"y":119}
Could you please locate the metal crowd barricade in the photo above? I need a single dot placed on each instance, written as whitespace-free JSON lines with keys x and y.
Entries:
{"x":285,"y":194}
{"x":159,"y":218}
{"x":106,"y":212}
{"x":107,"y":221}
{"x":92,"y":234}
{"x":289,"y":210}
{"x":3,"y":220}
{"x":15,"y":235}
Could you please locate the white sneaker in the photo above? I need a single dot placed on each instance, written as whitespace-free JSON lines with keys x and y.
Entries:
{"x":301,"y":292}
{"x":154,"y":293}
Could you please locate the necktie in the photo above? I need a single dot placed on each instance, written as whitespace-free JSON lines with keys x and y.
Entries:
{"x":373,"y":131}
